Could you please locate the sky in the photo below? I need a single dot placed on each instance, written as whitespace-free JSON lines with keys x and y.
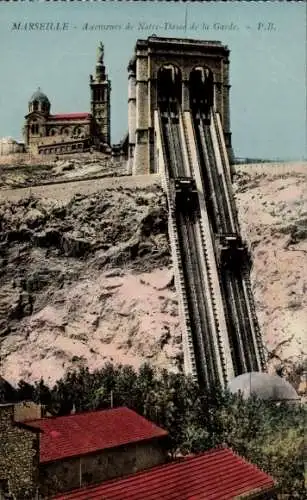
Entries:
{"x":267,"y":41}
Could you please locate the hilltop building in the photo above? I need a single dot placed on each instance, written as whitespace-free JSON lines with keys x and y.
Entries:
{"x":45,"y":133}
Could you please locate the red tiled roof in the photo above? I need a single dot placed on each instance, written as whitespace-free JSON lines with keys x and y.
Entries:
{"x":83,"y":433}
{"x":217,"y":474}
{"x":70,"y":116}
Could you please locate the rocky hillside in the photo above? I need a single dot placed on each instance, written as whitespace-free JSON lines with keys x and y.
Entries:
{"x":22,"y":170}
{"x":272,"y":204}
{"x":89,"y":278}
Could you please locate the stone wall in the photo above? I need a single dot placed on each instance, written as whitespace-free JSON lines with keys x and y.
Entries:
{"x":67,"y":147}
{"x":19,"y":456}
{"x":51,"y":131}
{"x":27,"y":410}
{"x":73,"y":473}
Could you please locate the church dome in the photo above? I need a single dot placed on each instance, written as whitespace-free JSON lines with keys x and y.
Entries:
{"x":39,"y":102}
{"x":263,"y":386}
{"x":39,"y":96}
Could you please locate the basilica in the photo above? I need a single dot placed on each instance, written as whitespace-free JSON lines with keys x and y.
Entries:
{"x":46,"y":133}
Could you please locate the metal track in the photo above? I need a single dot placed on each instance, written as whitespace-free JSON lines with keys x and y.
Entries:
{"x":196,"y":265}
{"x":215,"y":207}
{"x":196,"y":307}
{"x":214,"y":337}
{"x":226,"y":169}
{"x":190,"y":351}
{"x":205,"y":343}
{"x":206,"y":158}
{"x":243,"y":328}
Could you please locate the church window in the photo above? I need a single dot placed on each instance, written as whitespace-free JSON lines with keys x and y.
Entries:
{"x":34,"y":128}
{"x":35,"y":105}
{"x":44,"y":107}
{"x":78,"y":131}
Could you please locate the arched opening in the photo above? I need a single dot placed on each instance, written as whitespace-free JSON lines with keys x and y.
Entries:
{"x":44,"y":107}
{"x":201,"y":90}
{"x":34,"y":128}
{"x":66,"y":131}
{"x":35,"y":105}
{"x":78,"y":132}
{"x":169,"y":85}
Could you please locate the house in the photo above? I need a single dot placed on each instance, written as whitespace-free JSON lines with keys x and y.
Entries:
{"x":217,"y":474}
{"x":57,"y":454}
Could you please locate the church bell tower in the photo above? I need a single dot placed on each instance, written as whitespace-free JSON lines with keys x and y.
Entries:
{"x":100,"y":100}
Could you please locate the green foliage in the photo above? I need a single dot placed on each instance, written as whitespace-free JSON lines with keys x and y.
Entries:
{"x":269,"y":435}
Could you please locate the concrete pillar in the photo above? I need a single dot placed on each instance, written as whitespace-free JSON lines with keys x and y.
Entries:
{"x":226,"y":110}
{"x":218,"y":97}
{"x":152,"y":93}
{"x":185,"y":95}
{"x":141,"y":105}
{"x":141,"y":156}
{"x":131,"y":108}
{"x":141,"y":163}
{"x":152,"y":105}
{"x":225,"y":118}
{"x":142,"y":96}
{"x":141,"y":153}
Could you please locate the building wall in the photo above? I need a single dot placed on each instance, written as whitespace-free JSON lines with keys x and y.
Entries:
{"x":27,"y":410}
{"x":19,"y":455}
{"x":10,"y":147}
{"x":75,"y":472}
{"x":68,"y":128}
{"x":64,"y":147}
{"x":54,"y":131}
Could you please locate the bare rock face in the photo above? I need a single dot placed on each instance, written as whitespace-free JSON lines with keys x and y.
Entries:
{"x":86,"y":281}
{"x":272,"y":204}
{"x":89,"y":279}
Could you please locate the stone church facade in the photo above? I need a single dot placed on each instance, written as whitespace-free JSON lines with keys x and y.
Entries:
{"x":46,"y":133}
